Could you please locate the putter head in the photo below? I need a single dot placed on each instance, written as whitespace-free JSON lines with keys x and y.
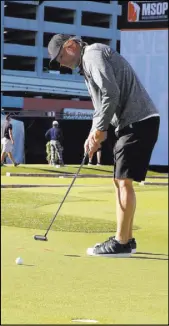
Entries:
{"x":40,"y":237}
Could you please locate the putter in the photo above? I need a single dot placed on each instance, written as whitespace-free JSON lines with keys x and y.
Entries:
{"x":44,"y":237}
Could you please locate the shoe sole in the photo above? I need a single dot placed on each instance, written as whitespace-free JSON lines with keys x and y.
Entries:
{"x":90,"y":252}
{"x":133,"y":251}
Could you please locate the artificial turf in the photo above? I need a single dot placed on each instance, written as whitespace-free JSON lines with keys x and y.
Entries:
{"x":44,"y":168}
{"x":58,"y":282}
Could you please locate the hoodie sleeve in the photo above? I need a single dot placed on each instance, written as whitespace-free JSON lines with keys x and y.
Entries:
{"x":103,"y":89}
{"x":47,"y":134}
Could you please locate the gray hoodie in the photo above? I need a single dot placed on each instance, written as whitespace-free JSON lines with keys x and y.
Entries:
{"x":117,"y":94}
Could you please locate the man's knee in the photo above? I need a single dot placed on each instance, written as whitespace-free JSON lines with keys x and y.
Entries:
{"x":123,"y":183}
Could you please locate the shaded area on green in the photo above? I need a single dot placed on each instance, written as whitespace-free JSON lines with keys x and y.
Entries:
{"x":20,"y":209}
{"x":44,"y":168}
{"x":26,"y":168}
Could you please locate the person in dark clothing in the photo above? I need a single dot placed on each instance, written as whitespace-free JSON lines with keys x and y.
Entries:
{"x":7,"y":141}
{"x":98,"y":154}
{"x":55,"y":136}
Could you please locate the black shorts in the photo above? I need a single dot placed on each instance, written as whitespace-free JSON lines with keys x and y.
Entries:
{"x":133,"y":149}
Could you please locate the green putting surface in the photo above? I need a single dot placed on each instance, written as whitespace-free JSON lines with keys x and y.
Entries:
{"x":58,"y":282}
{"x":45,"y":168}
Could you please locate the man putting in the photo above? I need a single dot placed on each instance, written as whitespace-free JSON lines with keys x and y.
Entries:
{"x":119,"y":99}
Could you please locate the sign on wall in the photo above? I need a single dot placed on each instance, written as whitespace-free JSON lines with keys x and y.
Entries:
{"x":147,"y":11}
{"x":143,"y":14}
{"x":77,"y":114}
{"x":147,"y":52}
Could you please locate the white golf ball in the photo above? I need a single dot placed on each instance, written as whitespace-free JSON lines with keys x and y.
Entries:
{"x":19,"y":261}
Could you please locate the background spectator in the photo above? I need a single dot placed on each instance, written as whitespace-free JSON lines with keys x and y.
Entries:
{"x":7,"y":141}
{"x":55,"y":136}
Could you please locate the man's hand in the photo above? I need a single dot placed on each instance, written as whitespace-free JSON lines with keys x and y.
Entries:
{"x":99,"y":136}
{"x":93,"y":141}
{"x":86,"y":146}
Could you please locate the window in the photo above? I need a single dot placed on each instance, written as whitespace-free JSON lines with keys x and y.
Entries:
{"x":95,"y":19}
{"x":19,"y":63}
{"x":16,"y":36}
{"x":91,"y":40}
{"x":59,"y":15}
{"x":20,"y":10}
{"x":56,"y":69}
{"x":118,"y":46}
{"x":46,"y":38}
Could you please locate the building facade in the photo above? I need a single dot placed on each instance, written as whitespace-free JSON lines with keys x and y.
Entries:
{"x":26,"y":28}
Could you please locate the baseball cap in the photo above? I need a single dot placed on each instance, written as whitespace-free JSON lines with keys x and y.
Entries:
{"x":55,"y":45}
{"x":55,"y":122}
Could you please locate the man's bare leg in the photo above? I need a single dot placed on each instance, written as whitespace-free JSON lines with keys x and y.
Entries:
{"x":125,"y":208}
{"x":11,"y":157}
{"x":90,"y":159}
{"x":3,"y":154}
{"x":99,"y":157}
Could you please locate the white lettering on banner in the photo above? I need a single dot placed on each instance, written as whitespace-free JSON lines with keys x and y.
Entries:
{"x":77,"y":114}
{"x":146,"y":9}
{"x":147,"y":52}
{"x":165,"y":6}
{"x":154,"y":8}
{"x":160,"y":10}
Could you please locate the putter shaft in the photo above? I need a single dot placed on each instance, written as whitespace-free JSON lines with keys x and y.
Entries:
{"x":44,"y":237}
